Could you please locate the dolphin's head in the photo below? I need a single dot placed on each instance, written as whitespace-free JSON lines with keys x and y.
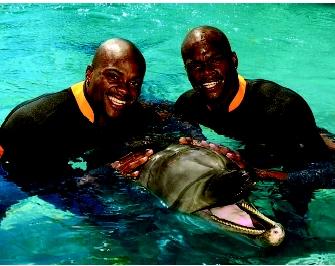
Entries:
{"x":199,"y":181}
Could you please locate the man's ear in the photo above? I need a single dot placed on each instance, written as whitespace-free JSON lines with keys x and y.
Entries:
{"x":234,"y":59}
{"x":88,"y":74}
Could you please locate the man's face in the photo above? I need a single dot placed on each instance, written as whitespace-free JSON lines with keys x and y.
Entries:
{"x":208,"y":68}
{"x":115,"y":84}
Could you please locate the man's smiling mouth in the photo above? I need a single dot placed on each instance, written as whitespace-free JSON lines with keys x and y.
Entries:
{"x":116,"y":101}
{"x":210,"y":85}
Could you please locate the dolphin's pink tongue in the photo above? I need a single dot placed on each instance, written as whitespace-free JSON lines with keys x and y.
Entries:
{"x":233,"y":214}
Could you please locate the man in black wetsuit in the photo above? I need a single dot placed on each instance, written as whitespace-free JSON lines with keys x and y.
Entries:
{"x":53,"y":128}
{"x":275,"y":123}
{"x":99,"y":114}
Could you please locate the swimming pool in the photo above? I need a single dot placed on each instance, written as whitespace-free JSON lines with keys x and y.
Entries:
{"x":46,"y":47}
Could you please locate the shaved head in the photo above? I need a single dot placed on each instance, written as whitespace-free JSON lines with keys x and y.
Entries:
{"x":205,"y":34}
{"x":118,"y":48}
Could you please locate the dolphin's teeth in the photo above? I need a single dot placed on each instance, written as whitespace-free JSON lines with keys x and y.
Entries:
{"x":257,"y":212}
{"x":238,"y":228}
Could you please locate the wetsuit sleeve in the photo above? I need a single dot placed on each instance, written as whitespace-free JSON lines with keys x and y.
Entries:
{"x":303,"y":135}
{"x":17,"y":133}
{"x":27,"y":147}
{"x":292,"y":133}
{"x":316,"y":176}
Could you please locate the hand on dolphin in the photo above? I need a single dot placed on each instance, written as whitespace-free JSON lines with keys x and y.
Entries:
{"x":270,"y":175}
{"x":129,"y":163}
{"x":2,"y":151}
{"x":232,"y":155}
{"x":261,"y":174}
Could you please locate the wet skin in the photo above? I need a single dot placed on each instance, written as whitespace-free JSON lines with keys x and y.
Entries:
{"x":211,"y":67}
{"x":114,"y":80}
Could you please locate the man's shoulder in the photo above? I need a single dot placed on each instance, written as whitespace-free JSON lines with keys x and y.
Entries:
{"x":39,"y":107}
{"x":187,"y":95}
{"x":272,"y":90}
{"x":269,"y":87}
{"x":187,"y":100}
{"x":275,"y":96}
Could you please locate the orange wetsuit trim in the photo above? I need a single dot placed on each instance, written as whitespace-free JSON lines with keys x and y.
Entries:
{"x":2,"y":151}
{"x":84,"y":106}
{"x":239,"y":95}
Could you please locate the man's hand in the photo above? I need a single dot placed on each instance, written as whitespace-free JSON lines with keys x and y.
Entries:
{"x":232,"y":155}
{"x":128,"y":164}
{"x":270,"y":175}
{"x":329,"y":142}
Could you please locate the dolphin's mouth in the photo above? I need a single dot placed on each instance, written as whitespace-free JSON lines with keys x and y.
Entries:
{"x":245,"y":219}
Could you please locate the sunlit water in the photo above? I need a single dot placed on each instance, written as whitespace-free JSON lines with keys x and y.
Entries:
{"x":45,"y":48}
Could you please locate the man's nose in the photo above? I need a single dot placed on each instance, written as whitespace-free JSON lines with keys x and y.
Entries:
{"x":125,"y":92}
{"x":123,"y":89}
{"x":207,"y":69}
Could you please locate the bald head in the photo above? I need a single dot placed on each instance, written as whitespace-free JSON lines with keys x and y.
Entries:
{"x":205,"y":35}
{"x":118,"y":48}
{"x":114,"y":80}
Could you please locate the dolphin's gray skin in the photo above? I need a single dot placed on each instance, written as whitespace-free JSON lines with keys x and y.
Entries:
{"x":200,"y":181}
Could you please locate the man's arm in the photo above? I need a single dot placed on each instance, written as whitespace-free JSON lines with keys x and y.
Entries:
{"x":296,"y":140}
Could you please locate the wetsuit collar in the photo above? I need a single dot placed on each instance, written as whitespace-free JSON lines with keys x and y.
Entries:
{"x":84,"y":106}
{"x":239,"y":95}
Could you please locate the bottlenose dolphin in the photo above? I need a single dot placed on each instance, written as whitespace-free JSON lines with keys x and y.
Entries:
{"x":200,"y":181}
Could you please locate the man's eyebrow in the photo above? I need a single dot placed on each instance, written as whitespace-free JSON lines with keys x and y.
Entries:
{"x":111,"y":69}
{"x":220,"y":56}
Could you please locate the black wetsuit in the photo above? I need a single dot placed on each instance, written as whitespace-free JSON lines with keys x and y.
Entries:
{"x":43,"y":134}
{"x":275,"y":124}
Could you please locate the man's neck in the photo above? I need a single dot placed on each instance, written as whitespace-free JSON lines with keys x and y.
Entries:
{"x":230,"y":102}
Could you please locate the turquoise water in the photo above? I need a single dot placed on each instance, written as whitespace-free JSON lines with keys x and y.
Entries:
{"x":46,"y":47}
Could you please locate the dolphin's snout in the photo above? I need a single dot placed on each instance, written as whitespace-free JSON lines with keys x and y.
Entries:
{"x":273,"y":237}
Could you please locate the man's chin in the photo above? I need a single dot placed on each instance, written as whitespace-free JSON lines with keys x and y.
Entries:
{"x":114,"y":113}
{"x":210,"y":96}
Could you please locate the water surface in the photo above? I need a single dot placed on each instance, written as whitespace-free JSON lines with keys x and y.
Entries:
{"x":46,"y":48}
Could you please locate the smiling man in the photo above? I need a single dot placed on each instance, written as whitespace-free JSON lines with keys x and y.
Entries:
{"x":275,"y":124}
{"x":100,"y":112}
{"x":113,"y":81}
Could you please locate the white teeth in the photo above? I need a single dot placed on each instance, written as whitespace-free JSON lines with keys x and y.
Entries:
{"x":116,"y":101}
{"x":210,"y":85}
